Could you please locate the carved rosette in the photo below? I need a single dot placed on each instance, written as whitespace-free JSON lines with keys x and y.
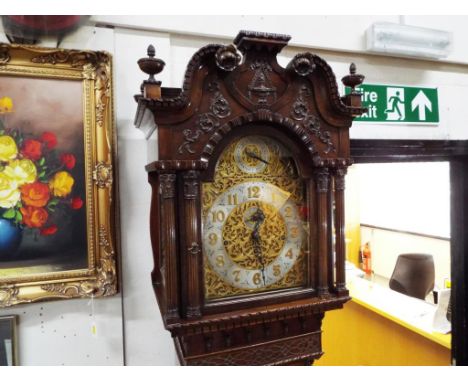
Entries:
{"x":228,"y":58}
{"x":102,"y":175}
{"x":303,"y":64}
{"x":167,"y":185}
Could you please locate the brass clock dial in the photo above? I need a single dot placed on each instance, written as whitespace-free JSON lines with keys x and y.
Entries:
{"x":254,"y":228}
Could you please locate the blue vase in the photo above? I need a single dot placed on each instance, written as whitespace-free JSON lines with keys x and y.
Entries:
{"x":10,"y":239}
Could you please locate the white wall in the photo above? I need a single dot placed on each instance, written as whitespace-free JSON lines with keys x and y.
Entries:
{"x":132,"y":317}
{"x":386,"y":246}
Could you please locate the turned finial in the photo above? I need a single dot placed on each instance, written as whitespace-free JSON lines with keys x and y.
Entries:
{"x":151,"y":65}
{"x":352,"y":79}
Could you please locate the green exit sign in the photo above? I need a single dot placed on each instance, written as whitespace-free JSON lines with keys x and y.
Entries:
{"x":398,"y":104}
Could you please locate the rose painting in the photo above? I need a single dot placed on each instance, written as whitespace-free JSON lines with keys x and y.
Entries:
{"x":42,"y":177}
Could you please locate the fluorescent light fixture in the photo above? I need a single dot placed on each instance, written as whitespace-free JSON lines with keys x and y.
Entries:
{"x":406,"y":40}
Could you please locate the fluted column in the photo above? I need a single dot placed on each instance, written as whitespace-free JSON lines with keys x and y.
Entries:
{"x":167,"y":189}
{"x":322,"y":181}
{"x":192,"y":256}
{"x":340,"y":239}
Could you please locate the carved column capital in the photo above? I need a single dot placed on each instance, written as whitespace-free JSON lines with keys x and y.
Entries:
{"x":167,"y":185}
{"x":191,"y":184}
{"x":340,"y":174}
{"x":322,"y":179}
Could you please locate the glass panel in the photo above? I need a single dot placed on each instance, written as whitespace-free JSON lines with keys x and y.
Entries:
{"x":255,"y":230}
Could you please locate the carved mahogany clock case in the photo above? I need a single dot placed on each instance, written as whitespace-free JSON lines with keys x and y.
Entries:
{"x":247,"y":211}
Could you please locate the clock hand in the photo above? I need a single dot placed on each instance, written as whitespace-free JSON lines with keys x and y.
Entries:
{"x":255,"y":156}
{"x":258,"y":217}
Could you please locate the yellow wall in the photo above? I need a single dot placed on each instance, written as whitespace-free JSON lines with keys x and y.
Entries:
{"x":355,"y":335}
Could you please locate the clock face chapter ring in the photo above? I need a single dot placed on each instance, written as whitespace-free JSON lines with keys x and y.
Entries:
{"x":234,"y":255}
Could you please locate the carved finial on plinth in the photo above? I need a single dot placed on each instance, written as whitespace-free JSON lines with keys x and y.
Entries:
{"x":150,"y":65}
{"x":352,"y":79}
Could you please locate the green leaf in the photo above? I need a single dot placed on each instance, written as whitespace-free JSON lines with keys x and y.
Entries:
{"x":41,"y":161}
{"x":41,"y":174}
{"x":18,"y":217}
{"x":54,"y":202}
{"x":9,"y":214}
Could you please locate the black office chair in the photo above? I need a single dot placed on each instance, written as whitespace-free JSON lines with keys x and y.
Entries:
{"x":414,"y":275}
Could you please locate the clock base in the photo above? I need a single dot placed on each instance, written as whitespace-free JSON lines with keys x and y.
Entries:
{"x":283,"y":334}
{"x":294,"y":351}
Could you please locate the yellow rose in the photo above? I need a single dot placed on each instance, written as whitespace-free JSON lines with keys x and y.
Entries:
{"x":6,"y":105}
{"x":8,"y":148}
{"x":9,"y":191}
{"x":61,"y":184}
{"x":21,"y":171}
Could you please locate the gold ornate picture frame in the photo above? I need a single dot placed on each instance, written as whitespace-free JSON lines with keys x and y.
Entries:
{"x":57,"y":190}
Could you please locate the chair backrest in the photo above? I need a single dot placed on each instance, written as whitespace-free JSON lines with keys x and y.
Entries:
{"x":414,"y":275}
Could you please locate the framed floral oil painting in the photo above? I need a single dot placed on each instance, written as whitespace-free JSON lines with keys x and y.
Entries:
{"x":57,"y":148}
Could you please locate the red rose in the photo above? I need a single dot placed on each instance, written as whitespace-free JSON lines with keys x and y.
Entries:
{"x":32,"y":149}
{"x":35,"y":194}
{"x":47,"y":231}
{"x":49,"y":139}
{"x":34,"y":217}
{"x":68,"y":160}
{"x":76,"y":203}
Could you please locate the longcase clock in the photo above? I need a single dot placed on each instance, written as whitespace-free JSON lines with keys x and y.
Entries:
{"x":247,"y":211}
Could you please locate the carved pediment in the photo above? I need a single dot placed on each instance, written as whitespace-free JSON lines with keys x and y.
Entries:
{"x":225,"y":84}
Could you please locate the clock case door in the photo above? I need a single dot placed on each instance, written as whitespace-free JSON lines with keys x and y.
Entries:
{"x":305,"y":174}
{"x":231,"y":92}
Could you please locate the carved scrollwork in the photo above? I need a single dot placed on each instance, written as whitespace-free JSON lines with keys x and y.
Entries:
{"x":300,"y":112}
{"x":75,"y":58}
{"x":220,"y":106}
{"x":206,"y":122}
{"x":102,"y":90}
{"x":104,"y":283}
{"x":9,"y":296}
{"x":102,"y":175}
{"x":190,"y":137}
{"x":228,"y":58}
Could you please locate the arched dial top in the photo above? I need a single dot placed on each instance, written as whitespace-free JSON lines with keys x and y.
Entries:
{"x":254,"y":220}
